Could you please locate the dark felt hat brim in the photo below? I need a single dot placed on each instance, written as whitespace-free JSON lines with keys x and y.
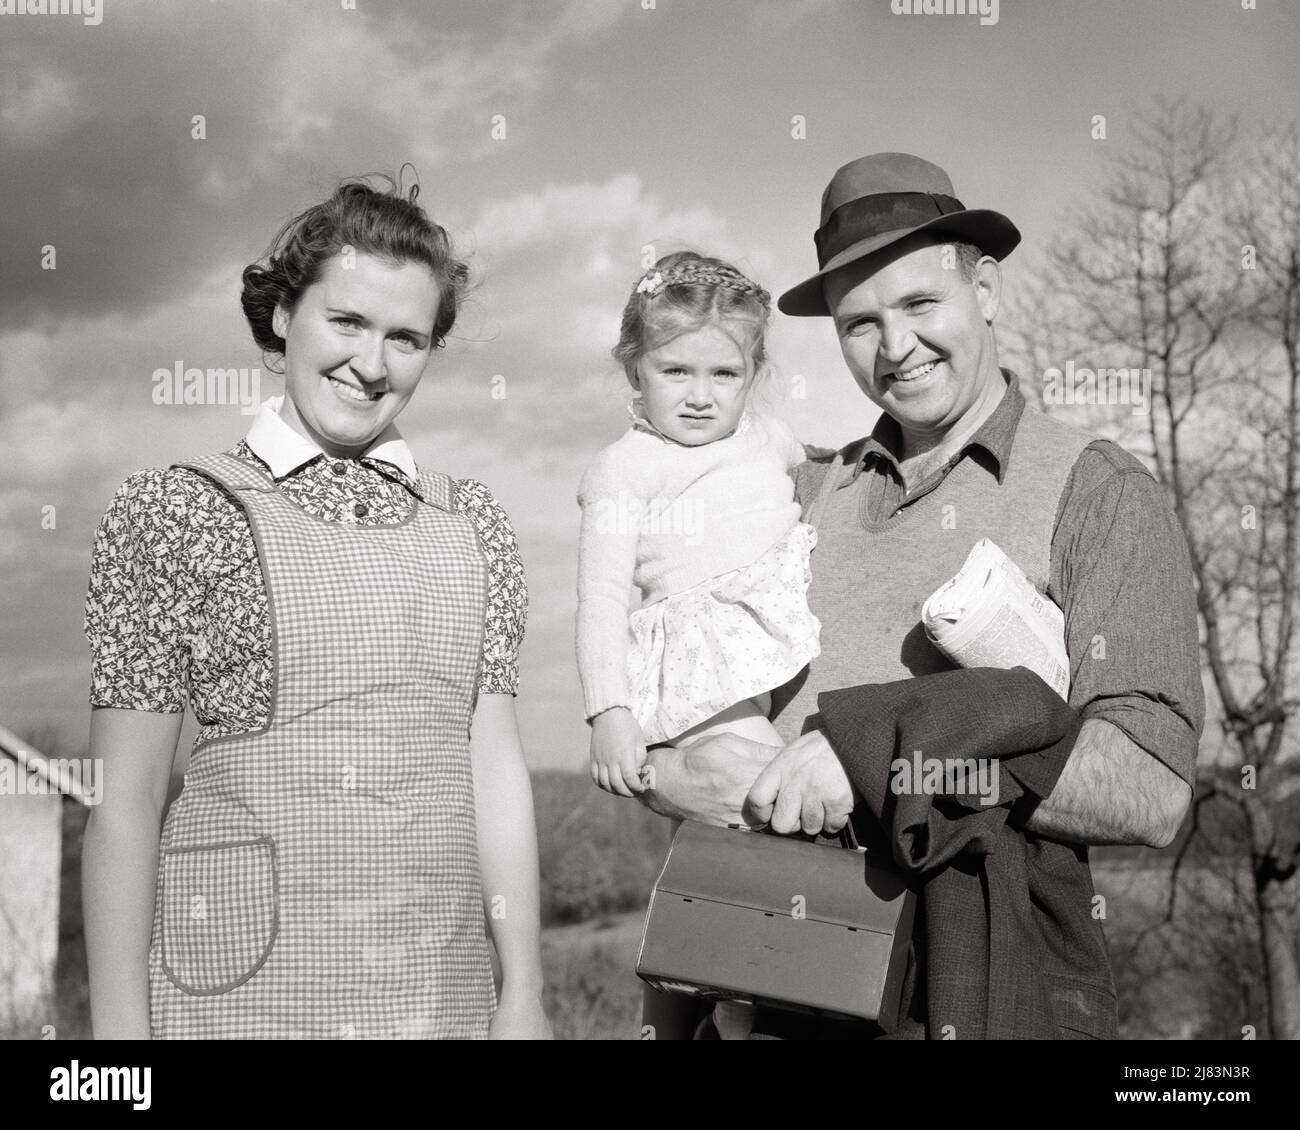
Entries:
{"x":990,"y":231}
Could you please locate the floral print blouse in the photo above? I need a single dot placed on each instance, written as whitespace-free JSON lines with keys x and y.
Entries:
{"x":177,"y":605}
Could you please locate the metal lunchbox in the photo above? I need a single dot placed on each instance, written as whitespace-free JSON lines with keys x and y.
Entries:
{"x":812,"y":927}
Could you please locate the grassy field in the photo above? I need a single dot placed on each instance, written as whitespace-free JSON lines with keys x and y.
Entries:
{"x":591,"y":991}
{"x":600,"y":856}
{"x":1194,"y":976}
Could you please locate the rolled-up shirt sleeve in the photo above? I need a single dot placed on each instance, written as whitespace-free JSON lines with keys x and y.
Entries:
{"x":1122,"y":574}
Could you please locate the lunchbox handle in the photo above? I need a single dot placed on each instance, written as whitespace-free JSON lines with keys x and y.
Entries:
{"x":846,"y":837}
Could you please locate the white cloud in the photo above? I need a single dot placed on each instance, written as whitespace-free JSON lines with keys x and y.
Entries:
{"x":110,"y":358}
{"x":417,"y":80}
{"x":39,"y":105}
{"x":585,"y":19}
{"x":556,"y":267}
{"x":294,"y":96}
{"x":46,"y":440}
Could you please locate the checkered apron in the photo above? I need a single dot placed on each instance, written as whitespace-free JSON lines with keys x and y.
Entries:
{"x":319,"y":878}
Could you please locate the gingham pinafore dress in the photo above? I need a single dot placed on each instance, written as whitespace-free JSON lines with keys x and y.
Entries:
{"x":319,"y":878}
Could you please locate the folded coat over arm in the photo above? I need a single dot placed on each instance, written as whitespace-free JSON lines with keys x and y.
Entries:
{"x":1011,"y":947}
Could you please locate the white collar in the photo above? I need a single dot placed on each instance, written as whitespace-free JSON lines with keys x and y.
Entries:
{"x":284,"y":449}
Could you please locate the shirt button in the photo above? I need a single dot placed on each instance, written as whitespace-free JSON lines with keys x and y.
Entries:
{"x":361,"y":510}
{"x":340,"y":468}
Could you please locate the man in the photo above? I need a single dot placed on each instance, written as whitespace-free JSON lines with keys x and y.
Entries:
{"x":1008,"y":941}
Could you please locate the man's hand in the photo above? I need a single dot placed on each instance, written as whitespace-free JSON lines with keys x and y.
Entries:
{"x":706,"y":781}
{"x":804,"y":786}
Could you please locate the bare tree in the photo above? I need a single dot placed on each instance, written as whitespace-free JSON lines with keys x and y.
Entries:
{"x":1259,"y":715}
{"x":1190,"y":262}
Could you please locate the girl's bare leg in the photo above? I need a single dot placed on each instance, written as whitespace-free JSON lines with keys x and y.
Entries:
{"x":746,"y":719}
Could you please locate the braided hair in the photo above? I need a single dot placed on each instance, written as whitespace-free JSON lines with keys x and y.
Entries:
{"x":686,"y":291}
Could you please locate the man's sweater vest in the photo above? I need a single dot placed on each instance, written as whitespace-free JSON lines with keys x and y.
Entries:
{"x":868,"y":584}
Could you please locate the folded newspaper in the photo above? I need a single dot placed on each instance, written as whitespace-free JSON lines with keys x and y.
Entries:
{"x":989,"y":615}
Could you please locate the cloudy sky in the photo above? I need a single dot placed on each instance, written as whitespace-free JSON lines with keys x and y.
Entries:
{"x":624,"y":125}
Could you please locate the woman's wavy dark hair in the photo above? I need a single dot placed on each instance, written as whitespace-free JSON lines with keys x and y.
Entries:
{"x":381,"y":223}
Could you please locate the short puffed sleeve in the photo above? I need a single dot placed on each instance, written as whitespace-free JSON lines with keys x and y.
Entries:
{"x":507,"y":600}
{"x":142,"y":601}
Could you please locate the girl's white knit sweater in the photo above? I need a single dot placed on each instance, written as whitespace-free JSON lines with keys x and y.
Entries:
{"x":659,"y":518}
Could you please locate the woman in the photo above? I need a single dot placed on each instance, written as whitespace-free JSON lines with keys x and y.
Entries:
{"x":346,"y":629}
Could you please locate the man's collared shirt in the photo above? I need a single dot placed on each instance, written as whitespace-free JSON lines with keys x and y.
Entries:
{"x":887,"y":492}
{"x":1117,"y":557}
{"x":1010,"y":934}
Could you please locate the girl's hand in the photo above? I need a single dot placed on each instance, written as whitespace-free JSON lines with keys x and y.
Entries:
{"x":519,"y":1016}
{"x":617,"y":752}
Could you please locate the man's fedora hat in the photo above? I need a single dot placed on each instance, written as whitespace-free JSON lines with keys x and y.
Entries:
{"x":878,"y":200}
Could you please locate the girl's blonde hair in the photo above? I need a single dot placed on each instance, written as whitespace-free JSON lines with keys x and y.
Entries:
{"x":684,"y":292}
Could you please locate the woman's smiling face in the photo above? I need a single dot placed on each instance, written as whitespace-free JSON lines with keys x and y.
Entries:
{"x":355,"y":349}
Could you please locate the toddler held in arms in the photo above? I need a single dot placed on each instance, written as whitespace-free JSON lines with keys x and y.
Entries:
{"x":694,"y":507}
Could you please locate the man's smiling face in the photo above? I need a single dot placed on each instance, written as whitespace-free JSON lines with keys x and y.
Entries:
{"x":916,"y":332}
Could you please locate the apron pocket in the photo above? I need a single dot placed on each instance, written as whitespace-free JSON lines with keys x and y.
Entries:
{"x":220,"y":913}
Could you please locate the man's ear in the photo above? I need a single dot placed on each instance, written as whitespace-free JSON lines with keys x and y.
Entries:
{"x":988,"y":287}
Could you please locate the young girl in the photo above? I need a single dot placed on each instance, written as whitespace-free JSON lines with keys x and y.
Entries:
{"x":694,"y":506}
